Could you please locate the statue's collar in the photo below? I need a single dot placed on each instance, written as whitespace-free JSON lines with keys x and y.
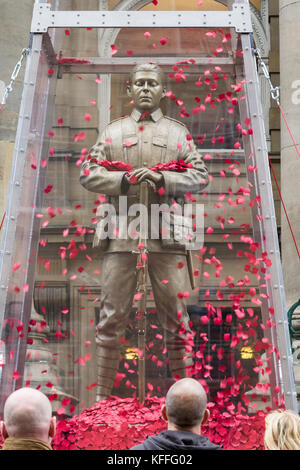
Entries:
{"x":155,"y":115}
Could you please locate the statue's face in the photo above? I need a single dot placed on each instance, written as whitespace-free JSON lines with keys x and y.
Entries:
{"x":146,"y":90}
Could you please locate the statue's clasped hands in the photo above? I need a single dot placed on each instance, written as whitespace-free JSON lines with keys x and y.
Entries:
{"x":144,"y":174}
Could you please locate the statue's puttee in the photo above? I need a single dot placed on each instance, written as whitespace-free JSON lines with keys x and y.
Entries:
{"x":143,"y":140}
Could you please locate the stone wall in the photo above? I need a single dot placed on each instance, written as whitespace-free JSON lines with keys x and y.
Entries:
{"x":14,"y":37}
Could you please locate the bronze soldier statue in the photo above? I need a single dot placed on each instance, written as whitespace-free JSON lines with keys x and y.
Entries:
{"x":143,"y":139}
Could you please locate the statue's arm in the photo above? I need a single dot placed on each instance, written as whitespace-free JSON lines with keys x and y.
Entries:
{"x":98,"y":179}
{"x":194,"y":179}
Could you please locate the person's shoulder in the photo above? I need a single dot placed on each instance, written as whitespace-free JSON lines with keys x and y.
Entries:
{"x":138,"y":447}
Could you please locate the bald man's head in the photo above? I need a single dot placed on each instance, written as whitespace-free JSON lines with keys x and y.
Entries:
{"x":28,"y":413}
{"x":186,"y":403}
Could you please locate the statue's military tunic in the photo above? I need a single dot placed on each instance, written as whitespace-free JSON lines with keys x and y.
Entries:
{"x":142,"y":143}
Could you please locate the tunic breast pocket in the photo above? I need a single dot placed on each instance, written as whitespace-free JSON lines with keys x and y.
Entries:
{"x":130,"y":150}
{"x":159,"y":149}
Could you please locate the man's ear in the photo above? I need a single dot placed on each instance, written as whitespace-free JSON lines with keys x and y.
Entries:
{"x":164,"y":412}
{"x":128,"y":89}
{"x":205,"y":416}
{"x":3,"y":430}
{"x":52,"y":427}
{"x":164,"y":92}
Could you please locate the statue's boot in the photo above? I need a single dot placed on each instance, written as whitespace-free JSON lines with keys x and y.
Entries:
{"x":180,"y":362}
{"x":107,"y":367}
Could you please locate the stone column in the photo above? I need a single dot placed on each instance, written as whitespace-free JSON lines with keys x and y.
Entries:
{"x":289,"y":21}
{"x":14,"y":36}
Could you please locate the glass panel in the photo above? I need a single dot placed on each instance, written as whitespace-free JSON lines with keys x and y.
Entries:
{"x":213,"y":330}
{"x":21,"y":230}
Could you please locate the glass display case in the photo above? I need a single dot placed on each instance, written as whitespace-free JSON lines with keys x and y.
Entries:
{"x":224,"y":294}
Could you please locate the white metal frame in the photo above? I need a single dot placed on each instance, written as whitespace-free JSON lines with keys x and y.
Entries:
{"x":44,"y":17}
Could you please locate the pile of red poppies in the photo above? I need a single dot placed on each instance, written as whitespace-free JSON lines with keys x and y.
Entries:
{"x":119,"y":424}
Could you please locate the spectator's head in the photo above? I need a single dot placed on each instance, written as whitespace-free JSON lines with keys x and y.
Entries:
{"x":282,"y":431}
{"x":185,"y":406}
{"x":28,"y":413}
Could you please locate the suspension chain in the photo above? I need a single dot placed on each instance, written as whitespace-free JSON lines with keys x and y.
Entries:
{"x":14,"y":76}
{"x":275,"y":91}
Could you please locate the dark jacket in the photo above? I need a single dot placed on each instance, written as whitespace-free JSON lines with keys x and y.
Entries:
{"x":177,"y":440}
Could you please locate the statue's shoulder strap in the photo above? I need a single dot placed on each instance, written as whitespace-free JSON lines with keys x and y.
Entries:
{"x":118,"y":129}
{"x":117,"y":120}
{"x":115,"y":127}
{"x":176,"y":121}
